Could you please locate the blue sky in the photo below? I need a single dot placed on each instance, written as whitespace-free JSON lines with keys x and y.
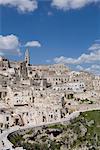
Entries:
{"x":61,"y":33}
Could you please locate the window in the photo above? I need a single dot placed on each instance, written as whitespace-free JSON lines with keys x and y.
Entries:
{"x":6,"y":126}
{"x":7,"y":118}
{"x":51,"y":116}
{"x":15,"y":94}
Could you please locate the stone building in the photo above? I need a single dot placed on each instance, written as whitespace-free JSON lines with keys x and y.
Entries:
{"x":23,"y":70}
{"x":96,"y":83}
{"x":20,"y":96}
{"x":35,"y":94}
{"x":4,"y":63}
{"x":27,"y":57}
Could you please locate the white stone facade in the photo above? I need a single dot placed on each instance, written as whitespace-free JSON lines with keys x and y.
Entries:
{"x":43,"y":93}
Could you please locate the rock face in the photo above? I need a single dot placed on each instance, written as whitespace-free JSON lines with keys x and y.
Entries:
{"x":82,"y":133}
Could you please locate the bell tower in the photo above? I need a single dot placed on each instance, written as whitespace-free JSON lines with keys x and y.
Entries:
{"x":27,"y":57}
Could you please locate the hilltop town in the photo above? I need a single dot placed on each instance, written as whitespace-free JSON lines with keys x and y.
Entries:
{"x":41,"y":94}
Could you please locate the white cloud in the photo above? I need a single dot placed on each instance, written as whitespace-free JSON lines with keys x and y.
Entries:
{"x":72,"y":4}
{"x":31,"y":5}
{"x":9,"y":44}
{"x":92,"y":57}
{"x":94,"y":47}
{"x":33,"y":44}
{"x":21,"y":5}
{"x":95,"y":69}
{"x":79,"y":67}
{"x":84,"y":58}
{"x":92,"y":60}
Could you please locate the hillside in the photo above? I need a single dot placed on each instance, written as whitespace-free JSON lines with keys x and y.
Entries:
{"x":83,"y":133}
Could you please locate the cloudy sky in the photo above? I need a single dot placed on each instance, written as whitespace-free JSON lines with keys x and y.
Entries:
{"x":55,"y":31}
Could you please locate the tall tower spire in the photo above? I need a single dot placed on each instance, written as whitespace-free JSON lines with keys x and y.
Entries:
{"x":27,"y":57}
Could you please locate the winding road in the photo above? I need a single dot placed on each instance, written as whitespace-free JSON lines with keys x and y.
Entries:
{"x":5,"y":144}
